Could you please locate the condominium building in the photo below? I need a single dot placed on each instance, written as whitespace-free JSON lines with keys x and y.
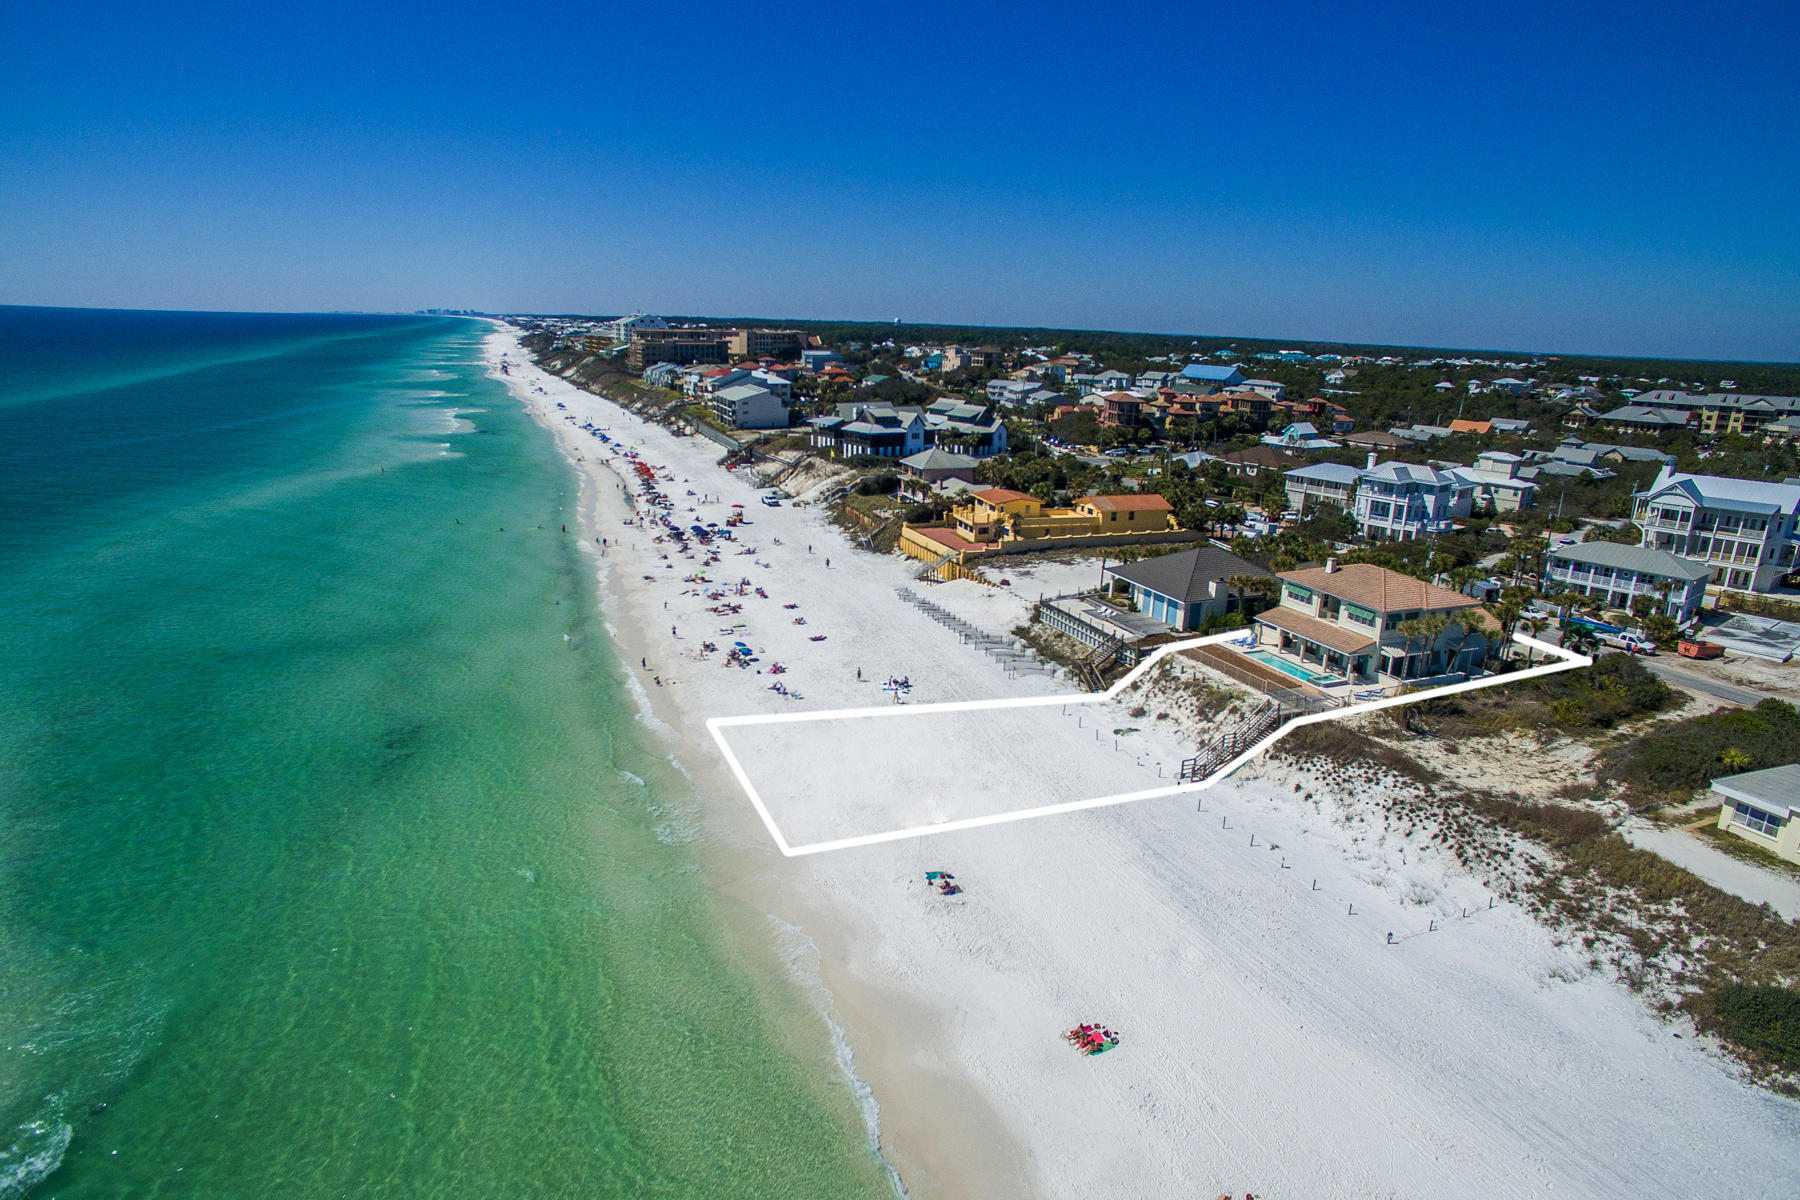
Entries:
{"x":747,"y":406}
{"x":1723,"y":412}
{"x":783,"y":344}
{"x":1744,"y":529}
{"x":678,"y":346}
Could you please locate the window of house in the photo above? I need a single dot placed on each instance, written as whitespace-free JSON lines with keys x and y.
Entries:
{"x":1362,"y":616}
{"x":1755,"y":819}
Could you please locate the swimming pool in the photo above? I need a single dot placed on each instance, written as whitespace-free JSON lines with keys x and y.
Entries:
{"x":1287,"y":668}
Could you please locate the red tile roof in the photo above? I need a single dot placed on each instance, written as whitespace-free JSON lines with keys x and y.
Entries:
{"x":999,"y":496}
{"x":1379,"y":588}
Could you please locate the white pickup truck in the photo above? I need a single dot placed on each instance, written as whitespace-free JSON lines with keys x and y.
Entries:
{"x":1629,"y":641}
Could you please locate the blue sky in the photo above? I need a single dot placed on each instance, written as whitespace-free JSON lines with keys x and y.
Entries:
{"x":1575,"y":177}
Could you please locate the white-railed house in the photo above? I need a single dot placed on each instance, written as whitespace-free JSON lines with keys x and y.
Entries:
{"x":1617,"y":574}
{"x":1744,"y":529}
{"x":1401,"y":502}
{"x":1331,"y":483}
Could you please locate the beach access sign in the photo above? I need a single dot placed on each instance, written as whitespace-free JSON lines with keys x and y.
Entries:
{"x":848,"y":777}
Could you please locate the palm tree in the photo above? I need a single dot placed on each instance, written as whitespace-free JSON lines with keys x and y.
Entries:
{"x":1434,"y":625}
{"x":1534,"y":626}
{"x":1251,"y":585}
{"x":1507,"y":612}
{"x":1580,"y":640}
{"x":1411,"y":628}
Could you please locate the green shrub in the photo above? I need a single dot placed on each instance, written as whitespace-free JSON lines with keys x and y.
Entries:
{"x":878,"y":485}
{"x":1763,"y":1020}
{"x":1615,"y":689}
{"x":1686,"y":755}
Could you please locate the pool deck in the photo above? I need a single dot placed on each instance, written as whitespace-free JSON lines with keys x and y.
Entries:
{"x":1233,"y":663}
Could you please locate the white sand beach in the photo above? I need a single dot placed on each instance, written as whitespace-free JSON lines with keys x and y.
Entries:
{"x":1273,"y":1041}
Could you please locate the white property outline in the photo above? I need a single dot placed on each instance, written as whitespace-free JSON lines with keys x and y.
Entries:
{"x":715,"y":726}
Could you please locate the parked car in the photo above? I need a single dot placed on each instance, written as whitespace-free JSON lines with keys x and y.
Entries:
{"x":1629,"y":641}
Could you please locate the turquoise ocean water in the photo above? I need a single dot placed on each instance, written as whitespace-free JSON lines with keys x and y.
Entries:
{"x":333,"y":861}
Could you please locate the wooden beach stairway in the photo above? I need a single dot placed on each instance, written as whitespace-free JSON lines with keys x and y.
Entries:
{"x":1091,"y":667}
{"x":1269,"y":716}
{"x":929,"y":572}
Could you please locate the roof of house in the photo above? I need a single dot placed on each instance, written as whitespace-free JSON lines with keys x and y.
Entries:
{"x":1630,"y":453}
{"x":1643,"y":414}
{"x":1326,"y":473}
{"x":1147,"y":503}
{"x":1378,"y":588}
{"x":949,"y":538}
{"x":1373,"y":437}
{"x":743,"y":391}
{"x":1326,"y":633}
{"x":1773,"y":788}
{"x":1721,"y":491}
{"x":999,"y":496}
{"x":1261,"y":456}
{"x":936,"y":460}
{"x":1209,"y":372}
{"x":1462,"y":426}
{"x":1185,"y":577}
{"x":1399,"y":472}
{"x":1633,"y":558}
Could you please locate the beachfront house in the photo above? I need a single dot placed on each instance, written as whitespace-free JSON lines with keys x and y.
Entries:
{"x":1617,"y":574}
{"x":1003,"y":521}
{"x":1367,"y":624}
{"x":1139,"y":513}
{"x":1760,"y":807}
{"x":1328,"y":482}
{"x":964,"y":428}
{"x":875,"y":430}
{"x":922,"y":474}
{"x":749,"y":406}
{"x":1747,"y":530}
{"x":1183,"y":590}
{"x":1401,"y":502}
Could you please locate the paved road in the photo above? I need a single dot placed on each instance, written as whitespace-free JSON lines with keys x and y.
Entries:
{"x":1696,"y":682}
{"x":1665,"y":666}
